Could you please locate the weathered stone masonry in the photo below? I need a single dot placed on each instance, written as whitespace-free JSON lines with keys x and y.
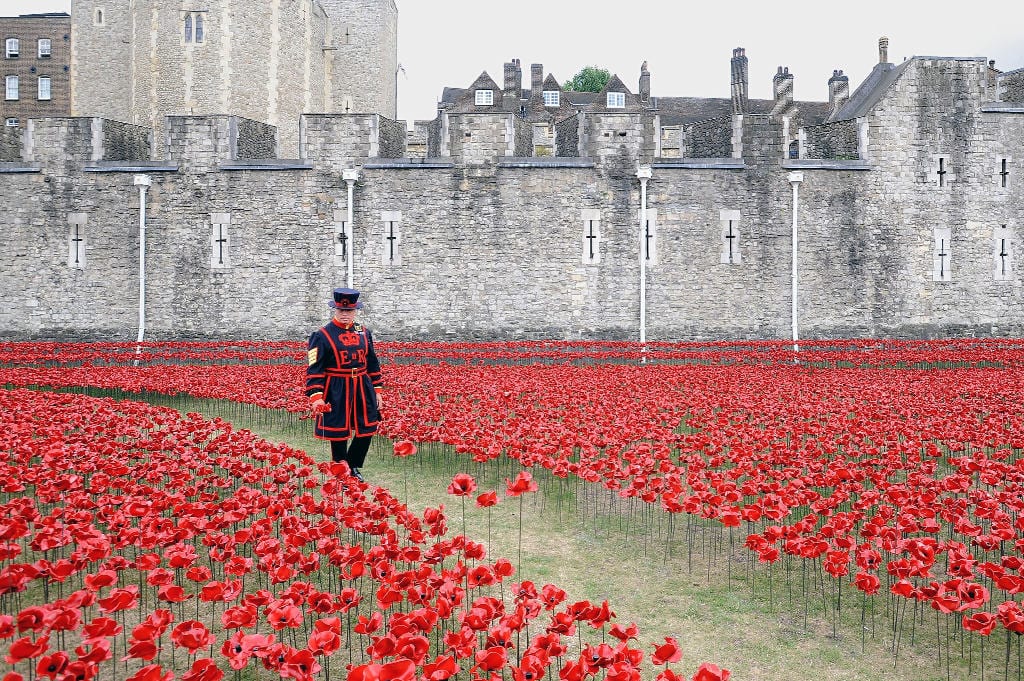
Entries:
{"x":491,"y":240}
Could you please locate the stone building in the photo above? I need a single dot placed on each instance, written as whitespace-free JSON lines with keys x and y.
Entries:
{"x":37,"y":58}
{"x":138,"y":61}
{"x":895,"y":209}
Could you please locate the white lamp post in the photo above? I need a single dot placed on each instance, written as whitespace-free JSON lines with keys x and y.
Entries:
{"x":643,"y":173}
{"x":795,"y":179}
{"x":142,"y":182}
{"x":350,"y":176}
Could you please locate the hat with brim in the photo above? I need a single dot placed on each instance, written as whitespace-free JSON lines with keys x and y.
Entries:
{"x":345,"y":299}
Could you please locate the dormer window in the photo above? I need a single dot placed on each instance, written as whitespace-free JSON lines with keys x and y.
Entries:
{"x":616,"y":100}
{"x":552,"y":98}
{"x":484,"y":97}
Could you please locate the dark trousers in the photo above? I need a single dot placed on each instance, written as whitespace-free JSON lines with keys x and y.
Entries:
{"x":352,"y":452}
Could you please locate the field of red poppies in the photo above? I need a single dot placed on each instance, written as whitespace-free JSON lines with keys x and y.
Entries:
{"x":137,"y":542}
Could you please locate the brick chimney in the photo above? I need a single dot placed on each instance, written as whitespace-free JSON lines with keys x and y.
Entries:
{"x":838,"y":92}
{"x":782,"y":86}
{"x":645,"y":83}
{"x":513,"y":82}
{"x":536,"y":80}
{"x":739,"y":80}
{"x":883,"y":50}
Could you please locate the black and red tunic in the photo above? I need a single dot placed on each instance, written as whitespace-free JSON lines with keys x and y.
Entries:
{"x":344,"y":368}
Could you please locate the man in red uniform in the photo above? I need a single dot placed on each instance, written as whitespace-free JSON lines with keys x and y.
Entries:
{"x":343,"y":382}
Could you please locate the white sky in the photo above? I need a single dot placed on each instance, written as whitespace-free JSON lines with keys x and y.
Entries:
{"x":687,"y":44}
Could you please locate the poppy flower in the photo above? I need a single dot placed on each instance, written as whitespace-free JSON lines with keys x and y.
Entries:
{"x":192,"y":635}
{"x":487,"y":499}
{"x":52,"y":665}
{"x":667,"y":652}
{"x":151,"y":672}
{"x":521,"y":485}
{"x":7,"y":629}
{"x":404,"y":448}
{"x":145,"y":649}
{"x":400,"y":670}
{"x":711,"y":672}
{"x":622,"y":671}
{"x":492,"y":658}
{"x":981,"y":622}
{"x":300,"y":665}
{"x":462,"y":485}
{"x":443,"y":667}
{"x":624,"y":633}
{"x":172,"y":593}
{"x":667,"y":674}
{"x":119,"y":599}
{"x":203,"y":669}
{"x":25,"y":648}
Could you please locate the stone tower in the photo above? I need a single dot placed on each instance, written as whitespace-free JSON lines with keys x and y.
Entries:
{"x":362,"y":59}
{"x":268,"y":60}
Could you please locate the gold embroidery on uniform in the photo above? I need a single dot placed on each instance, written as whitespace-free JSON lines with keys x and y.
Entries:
{"x":312,"y":355}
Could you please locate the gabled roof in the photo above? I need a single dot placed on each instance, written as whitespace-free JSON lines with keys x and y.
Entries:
{"x":551,"y":83}
{"x":868,"y":93}
{"x":484,"y":82}
{"x":464,"y":100}
{"x":615,"y":84}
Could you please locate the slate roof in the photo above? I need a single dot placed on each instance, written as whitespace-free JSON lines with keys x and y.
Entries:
{"x":688,"y":110}
{"x":673,"y":110}
{"x":864,"y":98}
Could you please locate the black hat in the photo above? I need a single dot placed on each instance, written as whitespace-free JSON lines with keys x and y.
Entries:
{"x":346,"y":299}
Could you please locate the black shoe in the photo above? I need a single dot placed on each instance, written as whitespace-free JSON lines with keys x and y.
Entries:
{"x":357,"y":475}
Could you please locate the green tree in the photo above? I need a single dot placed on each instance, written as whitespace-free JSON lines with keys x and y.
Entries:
{"x":589,"y":79}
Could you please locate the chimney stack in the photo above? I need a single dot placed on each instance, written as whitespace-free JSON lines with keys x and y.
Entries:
{"x":536,"y":80}
{"x":645,"y":83}
{"x":883,"y":50}
{"x":838,"y":92}
{"x":513,"y":82}
{"x":782,"y":86}
{"x":739,"y":80}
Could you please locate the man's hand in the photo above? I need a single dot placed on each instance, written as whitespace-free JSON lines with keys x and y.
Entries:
{"x":320,"y":407}
{"x":380,"y":401}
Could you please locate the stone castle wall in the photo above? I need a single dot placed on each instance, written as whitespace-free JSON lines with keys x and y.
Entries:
{"x":265,"y":60}
{"x":831,"y":140}
{"x":480,"y":243}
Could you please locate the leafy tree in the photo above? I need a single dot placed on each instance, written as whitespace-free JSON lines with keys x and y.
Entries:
{"x":589,"y":79}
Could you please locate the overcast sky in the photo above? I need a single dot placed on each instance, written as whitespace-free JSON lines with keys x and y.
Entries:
{"x":687,"y":44}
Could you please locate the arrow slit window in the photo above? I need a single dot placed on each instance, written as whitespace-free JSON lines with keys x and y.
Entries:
{"x":730,"y":237}
{"x":591,"y":236}
{"x":392,"y":222}
{"x":942,"y":255}
{"x":220,"y":241}
{"x":76,"y":241}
